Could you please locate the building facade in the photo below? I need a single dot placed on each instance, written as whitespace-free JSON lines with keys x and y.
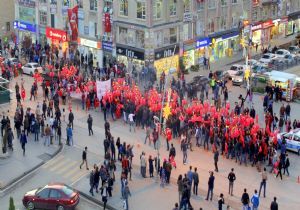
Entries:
{"x":7,"y":17}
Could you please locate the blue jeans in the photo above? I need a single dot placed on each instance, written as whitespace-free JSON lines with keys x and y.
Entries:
{"x":263,"y":184}
{"x":211,"y":192}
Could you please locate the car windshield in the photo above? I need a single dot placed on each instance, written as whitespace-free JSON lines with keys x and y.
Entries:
{"x":286,"y":56}
{"x":39,"y":190}
{"x":68,"y":191}
{"x":279,"y":52}
{"x":35,"y":65}
{"x":266,"y":56}
{"x":233,"y":68}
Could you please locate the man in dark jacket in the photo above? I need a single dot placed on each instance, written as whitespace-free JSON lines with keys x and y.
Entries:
{"x":71,"y":118}
{"x":211,"y":181}
{"x":196,"y":181}
{"x":90,"y":125}
{"x":231,"y":178}
{"x":216,"y":159}
{"x":274,"y":204}
{"x":245,"y":200}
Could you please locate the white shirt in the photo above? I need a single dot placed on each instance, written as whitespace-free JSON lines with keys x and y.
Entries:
{"x":130,"y":117}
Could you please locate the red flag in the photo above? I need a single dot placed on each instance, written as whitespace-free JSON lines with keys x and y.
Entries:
{"x":73,"y":21}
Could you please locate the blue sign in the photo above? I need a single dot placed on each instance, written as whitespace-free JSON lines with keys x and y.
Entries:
{"x":24,"y":26}
{"x":107,"y":46}
{"x":231,"y":35}
{"x":202,"y":42}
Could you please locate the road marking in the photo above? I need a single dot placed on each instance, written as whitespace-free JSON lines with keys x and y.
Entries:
{"x":61,"y":163}
{"x":70,"y":165}
{"x":52,"y":162}
{"x":79,"y":175}
{"x":72,"y":172}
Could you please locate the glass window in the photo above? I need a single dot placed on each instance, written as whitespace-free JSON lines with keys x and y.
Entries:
{"x":67,"y":191}
{"x":93,"y":5}
{"x":54,"y":194}
{"x":234,"y":1}
{"x":159,"y":38}
{"x":123,"y":35}
{"x":44,"y":193}
{"x":80,"y":3}
{"x":43,"y":18}
{"x":157,"y":9}
{"x":187,"y":5}
{"x":173,"y":35}
{"x":66,"y":3}
{"x":172,"y":7}
{"x":200,"y":5}
{"x":141,"y":10}
{"x":211,"y":4}
{"x":123,"y":7}
{"x":7,"y":26}
{"x":223,"y":2}
{"x":43,"y":1}
{"x":140,"y":39}
{"x":53,"y":1}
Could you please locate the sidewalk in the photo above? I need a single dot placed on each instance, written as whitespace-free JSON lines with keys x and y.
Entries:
{"x":16,"y":165}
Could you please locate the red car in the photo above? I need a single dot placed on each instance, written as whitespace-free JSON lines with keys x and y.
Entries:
{"x":52,"y":196}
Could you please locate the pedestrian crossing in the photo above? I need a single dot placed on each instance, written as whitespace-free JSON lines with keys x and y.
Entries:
{"x":66,"y":168}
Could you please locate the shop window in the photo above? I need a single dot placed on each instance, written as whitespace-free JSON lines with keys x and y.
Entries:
{"x":141,"y":10}
{"x":93,"y":5}
{"x":223,"y":3}
{"x":157,"y":9}
{"x":79,"y":3}
{"x":123,"y":7}
{"x":140,"y":39}
{"x":200,"y":5}
{"x":173,"y":35}
{"x":7,"y":26}
{"x":211,"y":4}
{"x":172,"y":7}
{"x":43,"y":18}
{"x":187,"y":5}
{"x":123,"y":35}
{"x":66,"y":3}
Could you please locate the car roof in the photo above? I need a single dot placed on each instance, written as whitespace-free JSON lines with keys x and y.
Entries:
{"x":55,"y":185}
{"x":33,"y":63}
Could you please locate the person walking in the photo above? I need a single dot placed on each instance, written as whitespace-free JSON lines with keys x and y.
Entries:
{"x":221,"y":201}
{"x":286,"y":166}
{"x":245,"y":200}
{"x":23,"y":141}
{"x":211,"y":181}
{"x":231,"y":178}
{"x":263,"y":183}
{"x":180,"y":187}
{"x":255,"y":201}
{"x":184,"y":151}
{"x":131,"y":121}
{"x":84,"y":159}
{"x":71,"y":119}
{"x":90,"y":125}
{"x":148,"y":132}
{"x":216,"y":159}
{"x":274,"y":204}
{"x":126,"y":195}
{"x":92,"y":182}
{"x":196,"y":181}
{"x":69,"y":135}
{"x":279,"y":169}
{"x":104,"y":193}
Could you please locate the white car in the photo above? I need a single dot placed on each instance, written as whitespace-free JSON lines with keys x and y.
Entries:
{"x":281,"y":53}
{"x":266,"y":59}
{"x":234,"y":69}
{"x":30,"y":68}
{"x":252,"y":63}
{"x":238,"y":78}
{"x":292,"y":140}
{"x":293,"y":49}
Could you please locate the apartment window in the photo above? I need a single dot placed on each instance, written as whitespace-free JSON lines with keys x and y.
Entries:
{"x":157,"y":9}
{"x":187,"y":5}
{"x":223,"y":23}
{"x":93,"y":5}
{"x":159,"y":38}
{"x":53,"y":1}
{"x":43,"y":18}
{"x":123,"y":7}
{"x":211,"y":4}
{"x":173,"y":35}
{"x":172,"y":7}
{"x":66,"y":3}
{"x":234,"y":1}
{"x":200,"y":5}
{"x":141,"y":10}
{"x":52,"y":20}
{"x":273,"y":11}
{"x":80,"y":3}
{"x":123,"y":35}
{"x":96,"y":32}
{"x":211,"y":26}
{"x":140,"y":39}
{"x":223,"y":3}
{"x":43,"y":1}
{"x":7,"y":26}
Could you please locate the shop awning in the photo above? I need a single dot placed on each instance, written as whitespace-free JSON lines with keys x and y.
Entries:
{"x":225,"y":34}
{"x":281,"y":76}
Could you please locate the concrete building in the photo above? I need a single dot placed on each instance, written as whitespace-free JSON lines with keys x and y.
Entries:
{"x":7,"y":16}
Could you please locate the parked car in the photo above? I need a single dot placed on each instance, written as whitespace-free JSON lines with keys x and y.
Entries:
{"x":281,"y":53}
{"x":276,"y":63}
{"x":11,"y":61}
{"x":293,"y":49}
{"x":252,"y":62}
{"x":292,"y":140}
{"x":53,"y":196}
{"x":259,"y":69}
{"x":266,"y":59}
{"x":30,"y":68}
{"x":289,"y":59}
{"x":234,"y":69}
{"x":238,"y":78}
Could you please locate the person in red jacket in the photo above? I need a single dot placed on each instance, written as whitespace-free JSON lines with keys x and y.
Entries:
{"x":168,"y":137}
{"x":23,"y":93}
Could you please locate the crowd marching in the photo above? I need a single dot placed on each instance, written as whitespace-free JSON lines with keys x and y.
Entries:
{"x":231,"y":132}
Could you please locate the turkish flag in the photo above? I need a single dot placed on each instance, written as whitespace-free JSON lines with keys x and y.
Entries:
{"x":73,"y":20}
{"x":107,"y":23}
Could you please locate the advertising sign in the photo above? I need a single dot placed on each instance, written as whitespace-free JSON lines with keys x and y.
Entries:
{"x":166,"y":52}
{"x":107,"y":46}
{"x":130,"y":53}
{"x":73,"y":21}
{"x":56,"y":34}
{"x":202,"y":42}
{"x":24,"y":26}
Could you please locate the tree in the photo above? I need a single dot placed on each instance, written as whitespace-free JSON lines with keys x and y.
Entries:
{"x":11,"y":204}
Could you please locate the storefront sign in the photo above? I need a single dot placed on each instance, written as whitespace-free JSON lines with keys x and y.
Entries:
{"x":166,"y":52}
{"x":202,"y":42}
{"x":89,"y":43}
{"x":267,"y":24}
{"x":256,"y":27}
{"x":24,"y":26}
{"x":187,"y":17}
{"x":56,"y":34}
{"x":27,"y":3}
{"x":53,"y":8}
{"x":230,"y":35}
{"x":130,"y":52}
{"x":107,"y":46}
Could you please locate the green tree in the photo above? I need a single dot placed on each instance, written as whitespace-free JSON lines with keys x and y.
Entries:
{"x":11,"y":204}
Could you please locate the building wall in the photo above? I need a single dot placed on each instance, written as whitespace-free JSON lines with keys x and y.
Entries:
{"x":7,"y":16}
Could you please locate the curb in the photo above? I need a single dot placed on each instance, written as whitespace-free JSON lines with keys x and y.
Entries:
{"x":94,"y":200}
{"x":10,"y":183}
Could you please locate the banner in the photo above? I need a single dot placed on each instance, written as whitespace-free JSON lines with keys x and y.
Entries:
{"x":73,"y":21}
{"x":103,"y":87}
{"x":107,"y":23}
